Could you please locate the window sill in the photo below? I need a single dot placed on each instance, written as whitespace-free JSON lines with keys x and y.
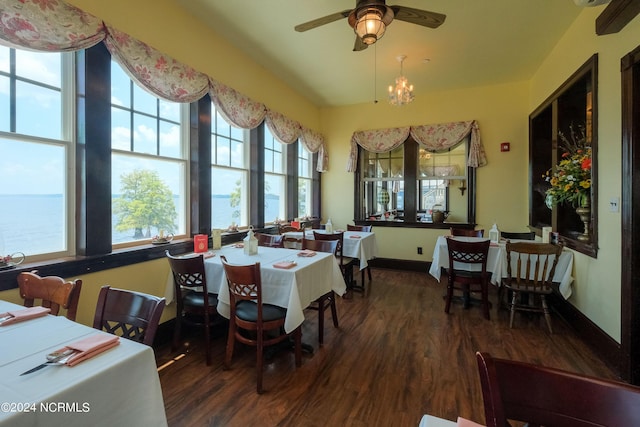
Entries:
{"x":416,"y":224}
{"x":77,"y":266}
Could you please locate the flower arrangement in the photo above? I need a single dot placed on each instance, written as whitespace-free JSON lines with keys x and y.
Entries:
{"x":571,"y":178}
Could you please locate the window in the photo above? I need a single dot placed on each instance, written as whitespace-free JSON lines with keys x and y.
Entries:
{"x":438,"y":173}
{"x":148,"y":163}
{"x":35,"y":150}
{"x":305,"y":175}
{"x":274,"y":178}
{"x":229,"y":172}
{"x":406,"y":183}
{"x":383,"y":179}
{"x":572,"y":106}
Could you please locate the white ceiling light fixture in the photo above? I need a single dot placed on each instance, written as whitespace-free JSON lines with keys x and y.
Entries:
{"x":402,"y":92}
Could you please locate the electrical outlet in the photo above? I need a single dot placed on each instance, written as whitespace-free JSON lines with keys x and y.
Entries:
{"x":419,"y":250}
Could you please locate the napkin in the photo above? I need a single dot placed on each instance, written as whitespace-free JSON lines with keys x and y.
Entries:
{"x":354,"y":237}
{"x":24,"y":314}
{"x":306,"y":253}
{"x":239,"y":245}
{"x":462,"y":422}
{"x":90,"y":346}
{"x":285,"y":264}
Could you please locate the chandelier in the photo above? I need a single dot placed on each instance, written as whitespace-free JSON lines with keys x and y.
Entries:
{"x":402,"y":93}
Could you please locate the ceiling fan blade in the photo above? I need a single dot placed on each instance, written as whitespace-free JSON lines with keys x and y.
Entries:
{"x":417,"y":16}
{"x":359,"y":45}
{"x":322,"y":21}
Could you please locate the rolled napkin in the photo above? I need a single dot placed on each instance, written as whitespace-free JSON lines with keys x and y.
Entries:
{"x":354,"y":237}
{"x":463,"y":422}
{"x":306,"y":253}
{"x":285,"y":264}
{"x":89,"y":347}
{"x":23,"y":314}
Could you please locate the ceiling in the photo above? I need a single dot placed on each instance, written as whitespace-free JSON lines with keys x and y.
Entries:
{"x":481,"y":42}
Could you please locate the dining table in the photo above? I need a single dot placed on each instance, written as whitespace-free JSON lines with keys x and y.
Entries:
{"x":292,"y":288}
{"x":118,"y":387}
{"x":357,"y":244}
{"x":497,"y":262}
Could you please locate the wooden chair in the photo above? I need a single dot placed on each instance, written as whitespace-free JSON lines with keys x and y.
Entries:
{"x":249,"y":313}
{"x":346,"y":263}
{"x":327,"y":300}
{"x":53,"y":292}
{"x":129,"y":314}
{"x":192,"y":308}
{"x":526,"y":235}
{"x":534,"y":265}
{"x":473,"y":254}
{"x":366,"y":229}
{"x":538,"y":395}
{"x":467,"y":232}
{"x":270,"y":240}
{"x":287,"y":228}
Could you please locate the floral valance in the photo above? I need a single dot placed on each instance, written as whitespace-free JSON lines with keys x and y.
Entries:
{"x":434,"y":138}
{"x":55,"y":26}
{"x":235,"y":108}
{"x":48,"y":26}
{"x":314,"y":143}
{"x":159,"y":74}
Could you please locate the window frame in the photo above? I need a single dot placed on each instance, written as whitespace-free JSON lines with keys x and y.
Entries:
{"x":411,"y":179}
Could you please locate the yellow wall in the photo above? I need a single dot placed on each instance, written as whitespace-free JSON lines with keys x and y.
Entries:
{"x":502,"y":185}
{"x":149,"y":277}
{"x":502,"y":113}
{"x":597,"y":281}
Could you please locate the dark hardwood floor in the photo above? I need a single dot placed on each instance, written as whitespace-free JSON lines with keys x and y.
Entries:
{"x":395,"y":357}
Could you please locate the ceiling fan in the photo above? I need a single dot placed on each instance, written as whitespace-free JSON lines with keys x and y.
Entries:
{"x":370,"y":19}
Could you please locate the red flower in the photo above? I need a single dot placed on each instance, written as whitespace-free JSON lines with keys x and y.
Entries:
{"x":586,"y":164}
{"x":565,"y":154}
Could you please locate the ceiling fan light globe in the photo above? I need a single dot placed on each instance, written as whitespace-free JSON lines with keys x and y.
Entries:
{"x":370,"y":26}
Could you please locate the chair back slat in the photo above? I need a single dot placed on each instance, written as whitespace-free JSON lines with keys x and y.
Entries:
{"x":538,"y":395}
{"x":364,"y":228}
{"x":329,"y":246}
{"x":270,"y":240}
{"x":468,"y":252}
{"x":466,"y":232}
{"x":129,"y":314}
{"x":535,"y":264}
{"x":51,"y":291}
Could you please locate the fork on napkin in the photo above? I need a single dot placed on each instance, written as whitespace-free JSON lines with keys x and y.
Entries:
{"x":89,"y":347}
{"x":15,"y":316}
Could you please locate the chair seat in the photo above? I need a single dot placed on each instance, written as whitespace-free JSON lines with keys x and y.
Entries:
{"x":468,"y":274}
{"x":248,"y":311}
{"x":196,"y":299}
{"x":524,"y":288}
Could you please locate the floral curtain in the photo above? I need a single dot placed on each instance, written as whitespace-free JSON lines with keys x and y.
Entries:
{"x":284,"y":129}
{"x":48,"y":26}
{"x":235,"y":108}
{"x":376,"y":141}
{"x":314,"y":143}
{"x":439,"y":137}
{"x":157,"y":73}
{"x":55,"y":26}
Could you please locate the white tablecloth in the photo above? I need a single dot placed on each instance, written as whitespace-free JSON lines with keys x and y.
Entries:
{"x":497,"y":263}
{"x":357,"y":244}
{"x":119,"y":387}
{"x":294,"y":289}
{"x":431,"y":421}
